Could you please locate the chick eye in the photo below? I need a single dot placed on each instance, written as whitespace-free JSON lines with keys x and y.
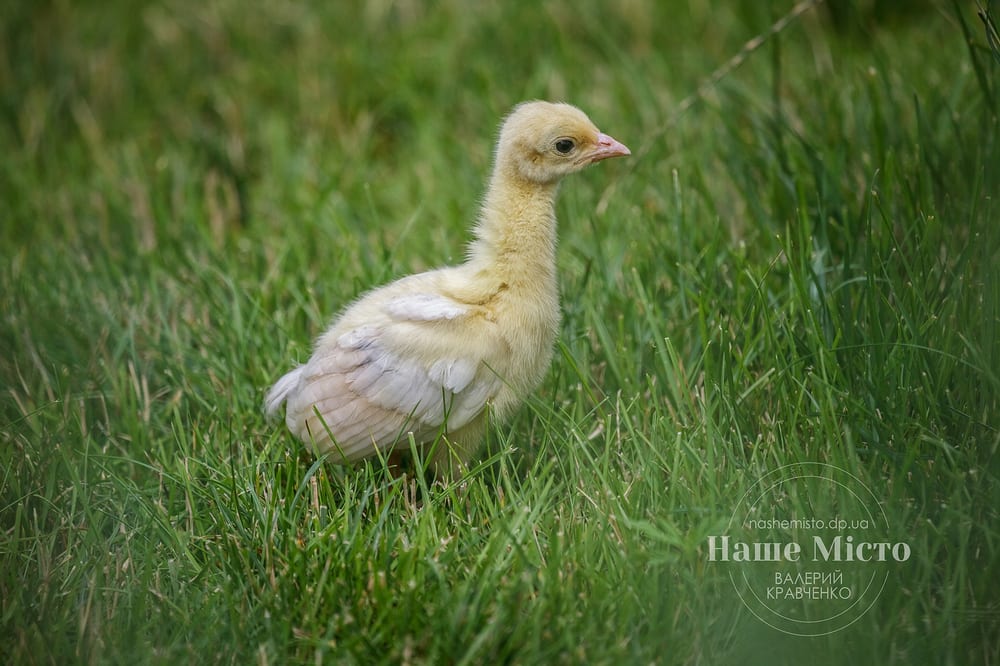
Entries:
{"x":564,"y":146}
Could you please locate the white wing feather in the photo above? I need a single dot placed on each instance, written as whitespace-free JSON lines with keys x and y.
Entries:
{"x":366,"y":393}
{"x":425,"y":307}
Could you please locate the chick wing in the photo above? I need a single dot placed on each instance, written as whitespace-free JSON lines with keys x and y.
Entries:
{"x":412,"y":369}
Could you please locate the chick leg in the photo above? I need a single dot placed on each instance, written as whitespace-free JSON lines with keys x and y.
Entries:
{"x":452,"y":454}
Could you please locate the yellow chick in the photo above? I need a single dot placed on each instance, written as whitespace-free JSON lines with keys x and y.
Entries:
{"x":429,"y":353}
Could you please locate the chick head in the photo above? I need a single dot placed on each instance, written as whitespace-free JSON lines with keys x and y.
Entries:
{"x":542,"y":141}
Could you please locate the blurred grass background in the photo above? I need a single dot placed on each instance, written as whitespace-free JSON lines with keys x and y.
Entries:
{"x":802,"y":266}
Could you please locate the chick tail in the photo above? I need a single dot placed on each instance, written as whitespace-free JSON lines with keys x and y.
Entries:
{"x":281,"y":390}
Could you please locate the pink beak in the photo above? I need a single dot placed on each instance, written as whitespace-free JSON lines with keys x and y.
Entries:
{"x":608,"y":146}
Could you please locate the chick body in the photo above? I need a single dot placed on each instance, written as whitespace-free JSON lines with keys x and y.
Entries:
{"x":428,"y":353}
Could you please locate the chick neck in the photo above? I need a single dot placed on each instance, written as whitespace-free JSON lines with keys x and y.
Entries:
{"x":515,"y":238}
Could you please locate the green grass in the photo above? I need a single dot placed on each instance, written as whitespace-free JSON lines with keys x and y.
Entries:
{"x":803,"y":267}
